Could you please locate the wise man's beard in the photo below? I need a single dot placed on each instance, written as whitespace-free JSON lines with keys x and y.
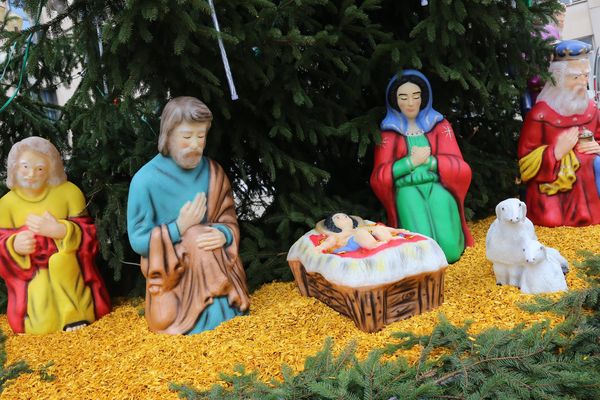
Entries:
{"x":564,"y":101}
{"x":187,"y":158}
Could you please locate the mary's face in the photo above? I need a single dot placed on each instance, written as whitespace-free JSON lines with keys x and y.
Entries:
{"x":409,"y":100}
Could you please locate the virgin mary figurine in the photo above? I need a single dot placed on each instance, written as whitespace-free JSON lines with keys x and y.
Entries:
{"x":419,"y":175}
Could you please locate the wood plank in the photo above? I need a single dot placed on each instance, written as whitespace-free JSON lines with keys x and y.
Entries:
{"x":373,"y":307}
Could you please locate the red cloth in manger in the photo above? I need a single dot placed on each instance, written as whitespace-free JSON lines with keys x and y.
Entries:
{"x":399,"y":240}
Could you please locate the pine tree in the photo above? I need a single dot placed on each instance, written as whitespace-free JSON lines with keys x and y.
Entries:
{"x":311,"y":76}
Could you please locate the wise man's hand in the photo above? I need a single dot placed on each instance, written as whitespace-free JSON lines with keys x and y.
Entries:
{"x":419,"y":155}
{"x":24,"y":243}
{"x":212,"y":239}
{"x":589,"y":147}
{"x":565,"y":142}
{"x":191,"y":213}
{"x":46,"y":225}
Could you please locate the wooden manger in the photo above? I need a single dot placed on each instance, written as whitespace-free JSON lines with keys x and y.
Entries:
{"x":373,"y":307}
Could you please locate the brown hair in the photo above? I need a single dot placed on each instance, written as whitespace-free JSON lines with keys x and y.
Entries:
{"x":184,"y":108}
{"x":56,"y":170}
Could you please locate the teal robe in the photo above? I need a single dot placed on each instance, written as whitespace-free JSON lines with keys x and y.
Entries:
{"x":156,"y":194}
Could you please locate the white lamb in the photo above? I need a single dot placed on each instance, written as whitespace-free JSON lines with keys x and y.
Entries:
{"x":505,"y":238}
{"x":543,"y":271}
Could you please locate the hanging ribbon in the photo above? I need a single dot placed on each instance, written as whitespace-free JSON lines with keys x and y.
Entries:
{"x":24,"y":64}
{"x":234,"y":95}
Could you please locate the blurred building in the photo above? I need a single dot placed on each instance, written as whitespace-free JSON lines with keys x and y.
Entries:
{"x":582,"y":21}
{"x":14,"y":22}
{"x":14,"y":18}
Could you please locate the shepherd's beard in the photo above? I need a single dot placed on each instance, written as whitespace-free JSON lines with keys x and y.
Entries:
{"x":22,"y":182}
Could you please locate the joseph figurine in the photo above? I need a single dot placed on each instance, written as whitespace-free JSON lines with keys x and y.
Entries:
{"x":181,"y":220}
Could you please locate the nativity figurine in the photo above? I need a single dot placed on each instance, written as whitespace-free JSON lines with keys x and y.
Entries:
{"x":518,"y":258}
{"x":48,"y":245}
{"x":419,"y":175}
{"x":558,"y":148}
{"x":374,"y":274}
{"x":181,"y":220}
{"x":345,"y":234}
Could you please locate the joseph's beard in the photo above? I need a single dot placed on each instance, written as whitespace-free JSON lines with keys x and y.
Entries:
{"x":187,"y":158}
{"x":564,"y":101}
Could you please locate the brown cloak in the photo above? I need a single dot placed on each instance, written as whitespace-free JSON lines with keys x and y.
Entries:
{"x":182,"y":280}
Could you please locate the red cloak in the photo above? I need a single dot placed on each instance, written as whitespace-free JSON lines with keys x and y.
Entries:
{"x":17,"y":279}
{"x":454,"y":172}
{"x":579,"y":206}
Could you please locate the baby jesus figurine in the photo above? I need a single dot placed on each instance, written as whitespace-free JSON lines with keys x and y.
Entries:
{"x":347,"y":233}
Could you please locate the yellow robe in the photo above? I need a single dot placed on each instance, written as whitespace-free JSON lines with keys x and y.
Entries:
{"x":56,"y":296}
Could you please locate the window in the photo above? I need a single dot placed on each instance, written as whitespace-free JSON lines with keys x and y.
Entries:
{"x":570,"y":2}
{"x":48,"y":96}
{"x":587,"y":39}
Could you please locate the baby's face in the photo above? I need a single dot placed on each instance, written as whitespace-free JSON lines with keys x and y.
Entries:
{"x":343,"y":221}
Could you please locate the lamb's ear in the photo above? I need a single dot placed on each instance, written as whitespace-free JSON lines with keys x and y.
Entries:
{"x":498,"y":207}
{"x":523,"y":210}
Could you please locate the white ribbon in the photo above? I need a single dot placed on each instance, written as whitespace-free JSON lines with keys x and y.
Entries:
{"x":234,"y":95}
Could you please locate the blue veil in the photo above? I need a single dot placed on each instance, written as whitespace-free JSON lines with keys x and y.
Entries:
{"x":395,"y":121}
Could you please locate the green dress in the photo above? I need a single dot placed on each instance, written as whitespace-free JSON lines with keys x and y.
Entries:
{"x":424,"y":205}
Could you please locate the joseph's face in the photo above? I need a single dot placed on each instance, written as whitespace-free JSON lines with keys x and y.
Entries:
{"x":33,"y":170}
{"x":186,"y":143}
{"x":576,"y":77}
{"x":409,"y":100}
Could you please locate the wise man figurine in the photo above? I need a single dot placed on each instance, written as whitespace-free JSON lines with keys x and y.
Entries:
{"x":48,"y":245}
{"x":558,"y":148}
{"x":181,"y":221}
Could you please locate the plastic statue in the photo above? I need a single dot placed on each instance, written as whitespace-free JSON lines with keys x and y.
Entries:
{"x":558,"y":149}
{"x":367,"y":271}
{"x":47,"y":245}
{"x":518,"y":258}
{"x":345,"y":234}
{"x":181,"y":220}
{"x":419,"y":173}
{"x":504,"y":239}
{"x":543,"y":271}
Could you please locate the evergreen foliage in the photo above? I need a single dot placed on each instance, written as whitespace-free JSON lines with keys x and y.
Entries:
{"x":12,"y":371}
{"x":539,"y":362}
{"x":311,"y":75}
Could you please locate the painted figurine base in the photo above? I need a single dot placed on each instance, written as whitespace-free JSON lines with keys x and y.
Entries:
{"x":395,"y":280}
{"x":518,"y":258}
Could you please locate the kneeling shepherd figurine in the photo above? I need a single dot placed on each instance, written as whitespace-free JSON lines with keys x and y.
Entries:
{"x":181,"y":220}
{"x":48,"y":245}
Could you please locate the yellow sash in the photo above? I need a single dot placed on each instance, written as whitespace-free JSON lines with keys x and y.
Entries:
{"x":531,"y":163}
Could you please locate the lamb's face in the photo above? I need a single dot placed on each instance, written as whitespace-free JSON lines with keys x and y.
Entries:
{"x":534,"y":252}
{"x":511,"y":210}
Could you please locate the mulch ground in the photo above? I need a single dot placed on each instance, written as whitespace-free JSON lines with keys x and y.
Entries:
{"x":118,"y":358}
